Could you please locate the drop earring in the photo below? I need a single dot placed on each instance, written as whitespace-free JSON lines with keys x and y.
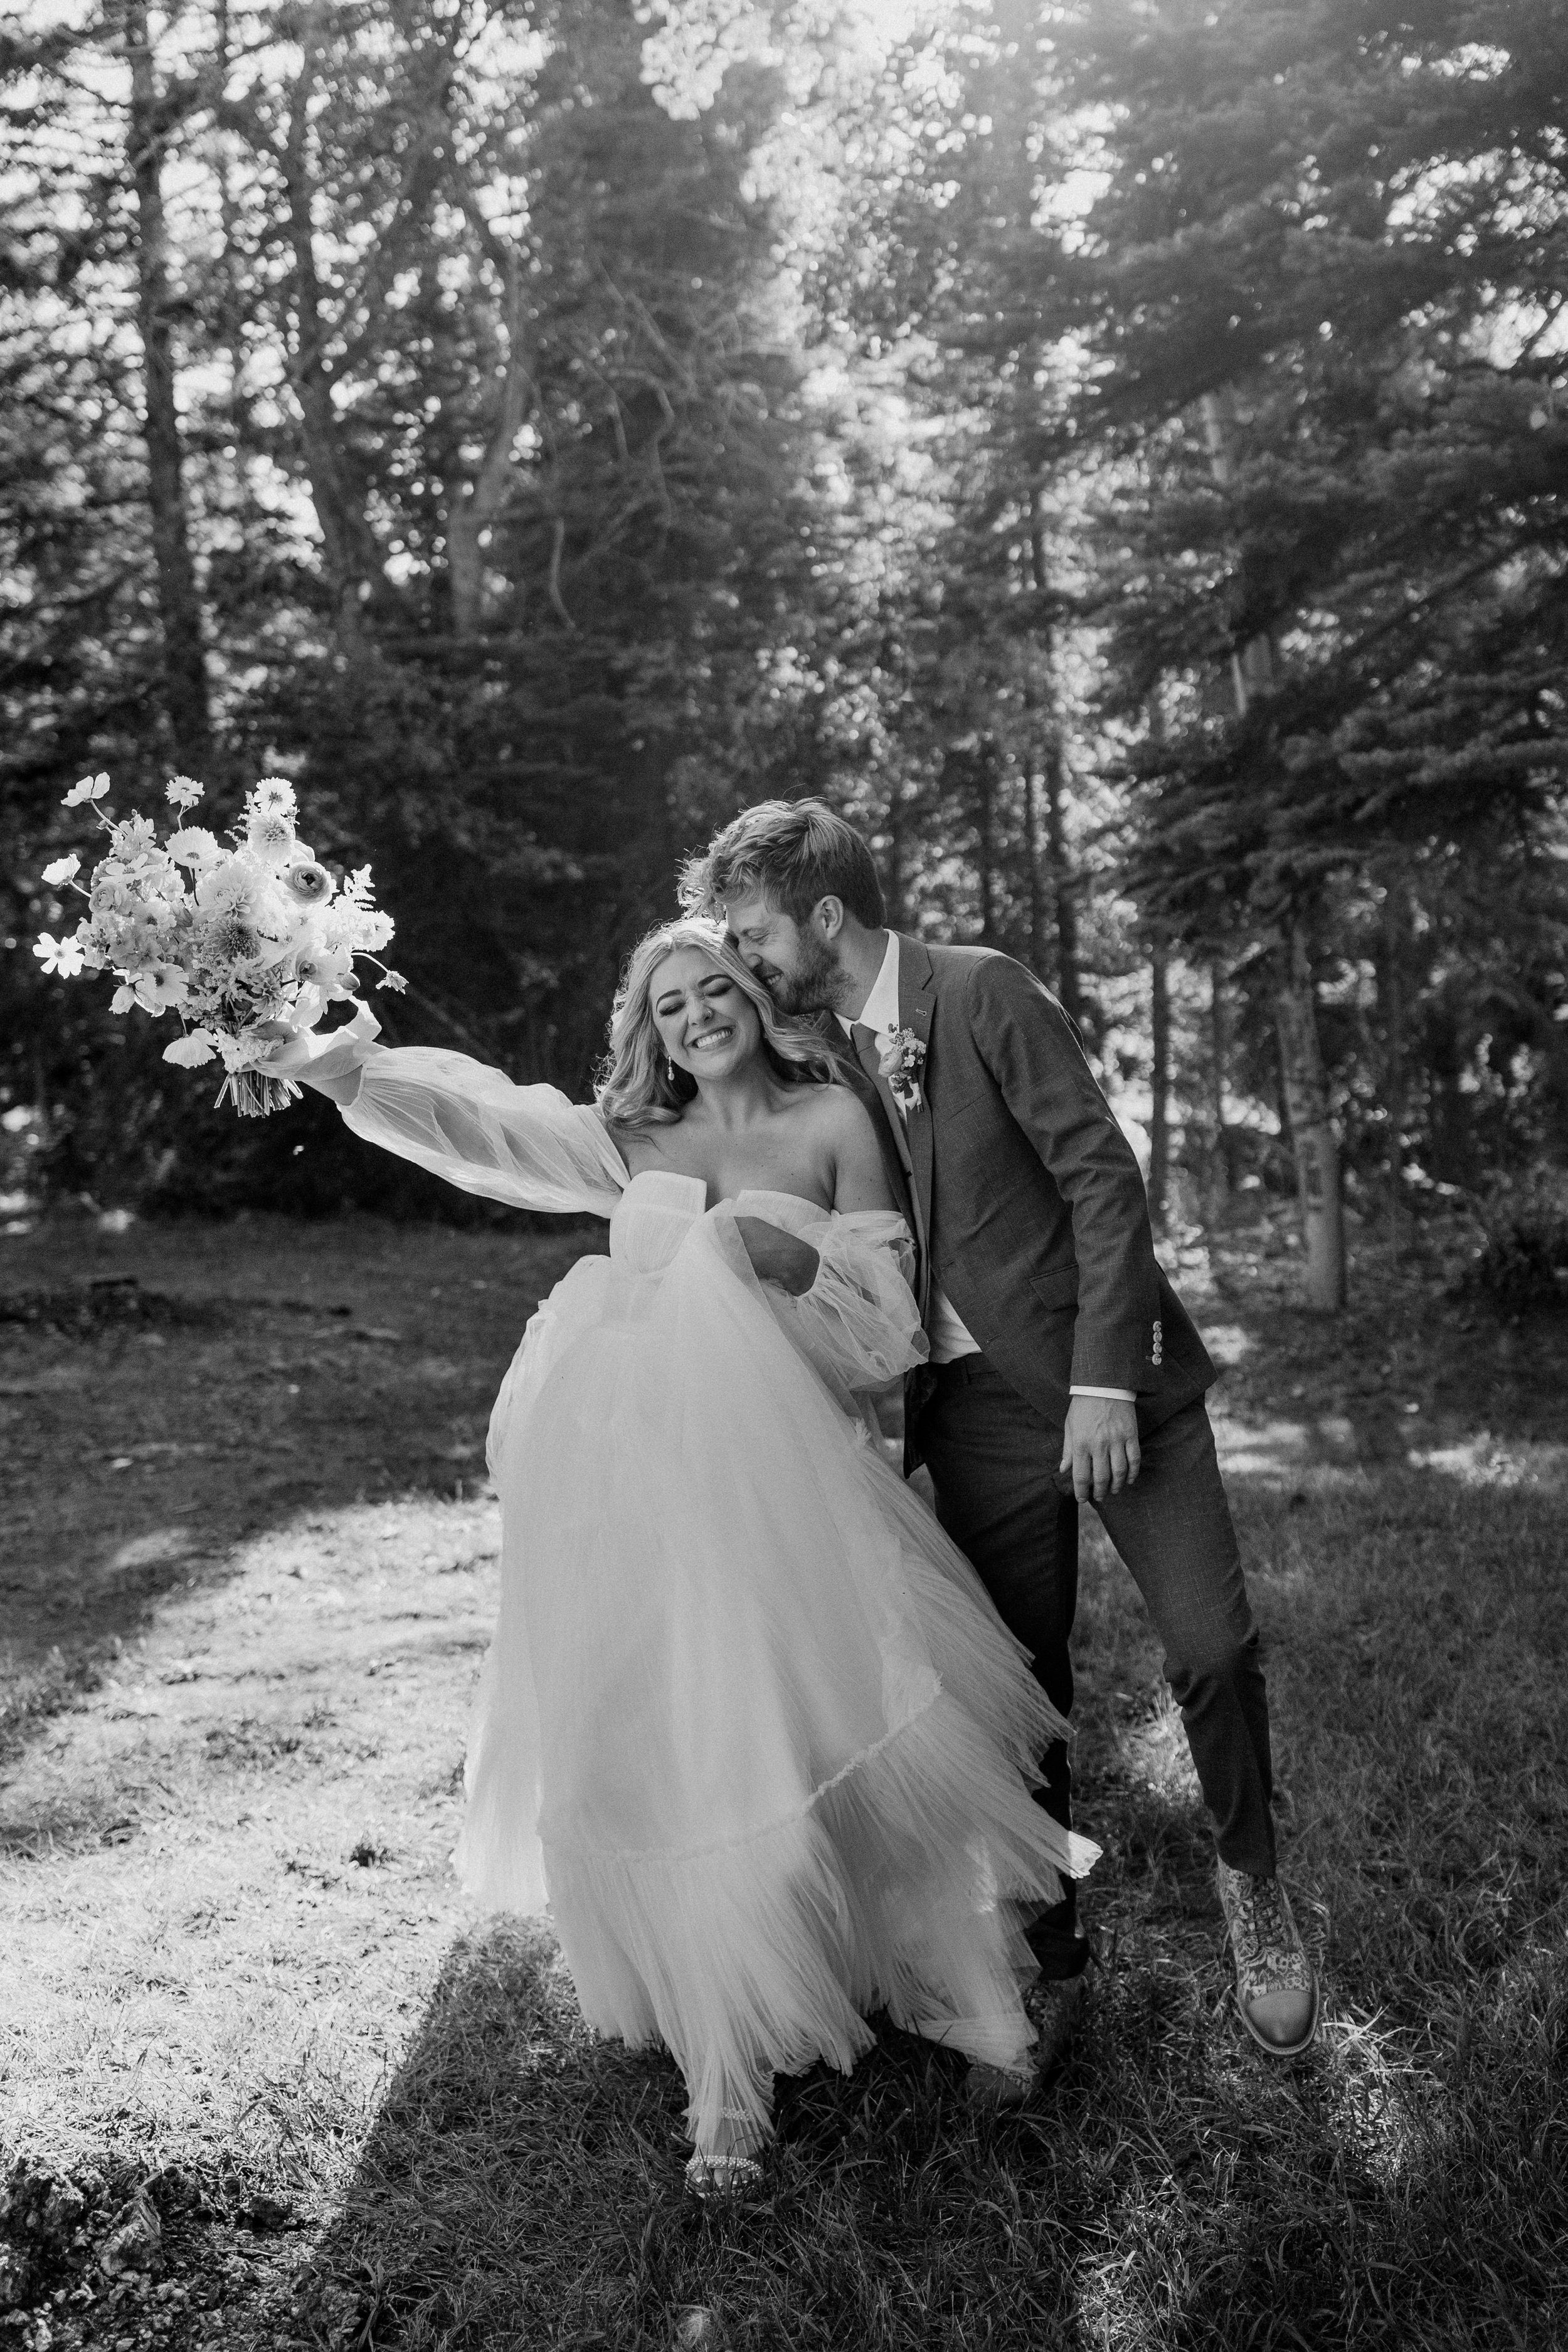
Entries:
{"x":669,"y":1065}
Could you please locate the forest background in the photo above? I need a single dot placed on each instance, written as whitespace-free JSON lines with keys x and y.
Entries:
{"x":1117,"y":451}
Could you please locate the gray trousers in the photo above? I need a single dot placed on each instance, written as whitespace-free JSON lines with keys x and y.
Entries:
{"x":993,"y":1460}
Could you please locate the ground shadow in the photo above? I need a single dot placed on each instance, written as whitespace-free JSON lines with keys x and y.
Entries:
{"x":170,"y":1392}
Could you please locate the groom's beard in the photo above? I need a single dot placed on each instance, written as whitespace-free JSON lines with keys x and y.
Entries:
{"x":818,"y":985}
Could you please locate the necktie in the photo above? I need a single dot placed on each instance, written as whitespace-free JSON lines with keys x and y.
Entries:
{"x":865,"y":1042}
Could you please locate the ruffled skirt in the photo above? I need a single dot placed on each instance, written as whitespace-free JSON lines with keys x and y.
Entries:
{"x":750,"y":1727}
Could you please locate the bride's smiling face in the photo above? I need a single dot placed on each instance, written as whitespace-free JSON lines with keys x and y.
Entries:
{"x":705,"y":1023}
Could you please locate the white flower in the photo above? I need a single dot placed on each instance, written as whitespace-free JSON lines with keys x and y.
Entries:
{"x":90,"y":788}
{"x":311,"y":884}
{"x":182,"y":791}
{"x":122,"y":1000}
{"x":901,"y":1062}
{"x":159,"y":986}
{"x":228,"y":888}
{"x":193,"y":1051}
{"x":193,"y":845}
{"x":64,"y":869}
{"x":393,"y":979}
{"x":63,"y":956}
{"x":369,"y":928}
{"x":270,"y":834}
{"x":274,"y":796}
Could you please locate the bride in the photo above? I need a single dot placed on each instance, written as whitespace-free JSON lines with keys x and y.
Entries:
{"x":750,"y":1724}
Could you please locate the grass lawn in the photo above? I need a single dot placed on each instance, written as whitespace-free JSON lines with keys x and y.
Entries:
{"x":267,"y":2079}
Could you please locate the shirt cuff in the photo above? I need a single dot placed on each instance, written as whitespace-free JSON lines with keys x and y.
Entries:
{"x":1122,"y":1396}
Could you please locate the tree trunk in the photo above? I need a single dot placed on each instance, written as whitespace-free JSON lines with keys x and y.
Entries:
{"x":1220,"y":1175}
{"x":1160,"y":1116}
{"x":471,"y":511}
{"x":351,"y":560}
{"x":179,"y":604}
{"x":1036,"y":899}
{"x":1313,"y":1138}
{"x":1393,"y":930}
{"x":1064,"y":911}
{"x":1068,"y":985}
{"x":986,"y":838}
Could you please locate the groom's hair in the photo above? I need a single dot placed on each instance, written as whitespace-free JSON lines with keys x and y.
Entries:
{"x":796,"y":853}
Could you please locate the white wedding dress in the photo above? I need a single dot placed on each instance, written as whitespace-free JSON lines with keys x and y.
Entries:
{"x":750,"y":1726}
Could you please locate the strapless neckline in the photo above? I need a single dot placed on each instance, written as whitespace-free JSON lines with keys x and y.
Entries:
{"x":677,"y":1188}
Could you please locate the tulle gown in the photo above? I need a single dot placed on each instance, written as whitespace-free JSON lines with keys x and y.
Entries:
{"x":750,"y":1727}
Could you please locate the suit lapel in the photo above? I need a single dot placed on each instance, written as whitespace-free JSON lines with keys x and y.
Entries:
{"x":893,"y":1148}
{"x":917,"y":1002}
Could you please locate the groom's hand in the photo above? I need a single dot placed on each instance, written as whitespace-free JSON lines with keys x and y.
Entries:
{"x":1100,"y":1446}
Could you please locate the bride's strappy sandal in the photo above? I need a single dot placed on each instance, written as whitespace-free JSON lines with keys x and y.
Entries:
{"x":724,"y":2180}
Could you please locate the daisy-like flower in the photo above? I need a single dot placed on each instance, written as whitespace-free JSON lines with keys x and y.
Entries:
{"x":274,"y":796}
{"x":182,"y":791}
{"x":90,"y":788}
{"x":64,"y":869}
{"x":64,"y":956}
{"x":161,"y":986}
{"x":193,"y":845}
{"x":191,"y":1051}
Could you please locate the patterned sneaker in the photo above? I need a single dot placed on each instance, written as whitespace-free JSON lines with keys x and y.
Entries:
{"x":1276,"y":1986}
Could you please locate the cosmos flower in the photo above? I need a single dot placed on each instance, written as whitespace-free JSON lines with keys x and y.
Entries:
{"x":90,"y":788}
{"x":64,"y":869}
{"x":64,"y":956}
{"x":182,"y":791}
{"x":159,"y":986}
{"x":192,"y":1051}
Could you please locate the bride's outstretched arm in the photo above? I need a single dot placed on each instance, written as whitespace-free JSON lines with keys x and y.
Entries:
{"x":527,"y":1146}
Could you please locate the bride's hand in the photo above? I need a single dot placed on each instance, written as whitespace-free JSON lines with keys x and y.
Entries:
{"x":777,"y":1256}
{"x":330,"y":1062}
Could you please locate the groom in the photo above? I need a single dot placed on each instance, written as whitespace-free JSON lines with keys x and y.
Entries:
{"x":1063,"y":1367}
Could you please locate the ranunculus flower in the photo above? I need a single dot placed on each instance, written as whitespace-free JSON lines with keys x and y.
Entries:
{"x":309,"y":883}
{"x":64,"y":869}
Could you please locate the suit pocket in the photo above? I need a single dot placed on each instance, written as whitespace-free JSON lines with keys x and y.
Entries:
{"x":1059,"y":1289}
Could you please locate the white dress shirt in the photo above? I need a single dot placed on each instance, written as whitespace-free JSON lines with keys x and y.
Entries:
{"x":949,"y":1336}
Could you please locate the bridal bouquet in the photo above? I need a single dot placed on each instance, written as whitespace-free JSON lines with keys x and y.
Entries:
{"x":235,"y":941}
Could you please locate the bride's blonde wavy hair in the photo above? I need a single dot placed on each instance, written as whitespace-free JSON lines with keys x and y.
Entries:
{"x":635,"y":1088}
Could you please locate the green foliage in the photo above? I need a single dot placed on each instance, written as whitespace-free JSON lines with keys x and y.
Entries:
{"x":1524,"y":1258}
{"x":1119,"y":453}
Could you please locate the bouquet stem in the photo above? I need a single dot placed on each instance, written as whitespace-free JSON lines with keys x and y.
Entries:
{"x":256,"y":1096}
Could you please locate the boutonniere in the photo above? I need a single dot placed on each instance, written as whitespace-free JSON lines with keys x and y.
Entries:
{"x":901,"y":1062}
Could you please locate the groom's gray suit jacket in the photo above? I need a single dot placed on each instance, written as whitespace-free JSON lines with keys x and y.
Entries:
{"x":1023,"y":1193}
